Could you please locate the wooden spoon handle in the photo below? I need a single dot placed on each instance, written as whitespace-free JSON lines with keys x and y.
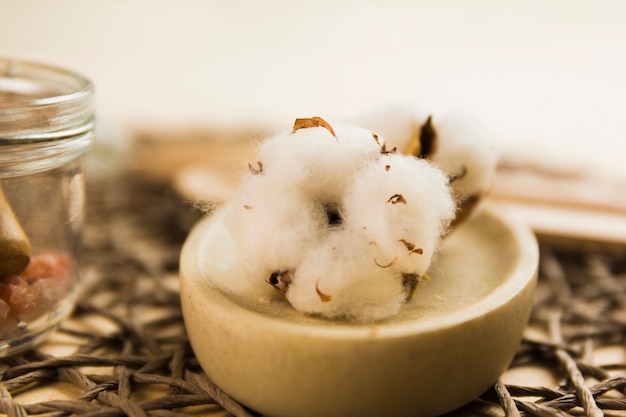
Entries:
{"x":15,"y":248}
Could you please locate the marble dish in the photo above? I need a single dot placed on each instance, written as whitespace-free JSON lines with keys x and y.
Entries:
{"x":448,"y":345}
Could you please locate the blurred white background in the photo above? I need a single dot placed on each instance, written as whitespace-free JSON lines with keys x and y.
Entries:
{"x":548,"y":75}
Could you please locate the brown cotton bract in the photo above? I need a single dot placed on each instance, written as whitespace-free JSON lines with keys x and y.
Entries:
{"x":314,"y":121}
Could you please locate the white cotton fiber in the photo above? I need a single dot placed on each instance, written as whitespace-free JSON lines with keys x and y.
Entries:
{"x":466,"y":153}
{"x":321,"y":164}
{"x":464,"y":149}
{"x":340,"y":279}
{"x":402,"y":205}
{"x":398,"y":123}
{"x":330,"y":219}
{"x":274,"y":225}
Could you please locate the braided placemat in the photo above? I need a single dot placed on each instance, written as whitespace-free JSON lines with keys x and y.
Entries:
{"x":131,"y":355}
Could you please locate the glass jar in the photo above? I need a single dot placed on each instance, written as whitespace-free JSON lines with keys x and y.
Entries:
{"x":46,"y":128}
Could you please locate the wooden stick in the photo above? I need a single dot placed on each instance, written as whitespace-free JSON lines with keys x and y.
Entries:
{"x":15,"y":248}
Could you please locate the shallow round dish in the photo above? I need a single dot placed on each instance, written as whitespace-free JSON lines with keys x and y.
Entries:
{"x":448,"y":345}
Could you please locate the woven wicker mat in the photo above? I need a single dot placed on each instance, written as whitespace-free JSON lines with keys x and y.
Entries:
{"x":129,"y":360}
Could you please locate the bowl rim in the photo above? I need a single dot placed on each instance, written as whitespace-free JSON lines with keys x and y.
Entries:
{"x":522,"y":274}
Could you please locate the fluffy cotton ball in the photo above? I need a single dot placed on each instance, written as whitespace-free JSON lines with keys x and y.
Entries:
{"x":333,"y":222}
{"x":322,"y":165}
{"x":281,"y":207}
{"x":398,"y":123}
{"x":227,"y":265}
{"x":401,"y":205}
{"x":340,"y":279}
{"x":274,"y":225}
{"x":466,"y":153}
{"x":463,"y":148}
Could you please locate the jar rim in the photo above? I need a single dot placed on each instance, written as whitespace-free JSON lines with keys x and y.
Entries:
{"x":27,"y":70}
{"x":43,"y":102}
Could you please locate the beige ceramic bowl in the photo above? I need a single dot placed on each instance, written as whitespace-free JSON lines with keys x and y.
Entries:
{"x":446,"y":347}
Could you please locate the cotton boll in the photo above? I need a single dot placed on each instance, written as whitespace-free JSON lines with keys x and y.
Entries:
{"x":280,"y":211}
{"x":466,"y":153}
{"x":391,"y":211}
{"x":398,"y":123}
{"x":402,"y":205}
{"x":456,"y":142}
{"x":274,"y":226}
{"x":463,"y":147}
{"x":339,"y":279}
{"x":227,"y":265}
{"x":321,"y":164}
